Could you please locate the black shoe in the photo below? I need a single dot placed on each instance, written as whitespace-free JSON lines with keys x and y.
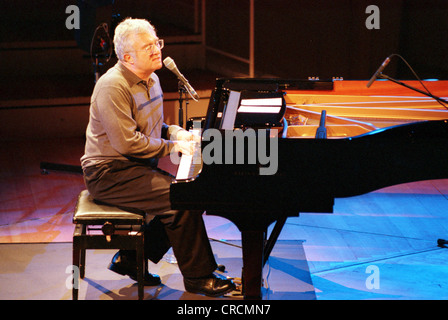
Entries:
{"x":211,"y":286}
{"x":124,"y":265}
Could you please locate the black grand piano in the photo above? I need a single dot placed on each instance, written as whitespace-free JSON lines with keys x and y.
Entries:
{"x":323,"y":139}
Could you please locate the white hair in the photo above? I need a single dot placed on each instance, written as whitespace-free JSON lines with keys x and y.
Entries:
{"x":125,"y":31}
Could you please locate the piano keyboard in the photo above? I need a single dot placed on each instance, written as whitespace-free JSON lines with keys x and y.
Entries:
{"x":189,"y":166}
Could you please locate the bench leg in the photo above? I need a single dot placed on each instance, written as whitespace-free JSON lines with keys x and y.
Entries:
{"x":140,"y":264}
{"x":79,"y":259}
{"x":75,"y":273}
{"x":82,"y":263}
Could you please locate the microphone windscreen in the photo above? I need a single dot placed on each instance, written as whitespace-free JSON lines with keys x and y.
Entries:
{"x":169,"y":63}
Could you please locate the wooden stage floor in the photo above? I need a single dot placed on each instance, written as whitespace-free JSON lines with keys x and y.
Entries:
{"x":381,"y":245}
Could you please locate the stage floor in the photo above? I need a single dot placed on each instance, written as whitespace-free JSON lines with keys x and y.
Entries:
{"x":381,"y":245}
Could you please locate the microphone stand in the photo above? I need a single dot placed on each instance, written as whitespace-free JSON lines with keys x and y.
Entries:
{"x":96,"y":68}
{"x":182,"y":92}
{"x":103,"y":50}
{"x":384,"y":76}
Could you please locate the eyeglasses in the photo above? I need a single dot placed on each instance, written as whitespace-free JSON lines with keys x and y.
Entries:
{"x":150,"y":49}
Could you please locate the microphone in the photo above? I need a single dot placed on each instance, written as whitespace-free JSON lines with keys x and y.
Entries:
{"x":169,"y":63}
{"x":378,"y":72}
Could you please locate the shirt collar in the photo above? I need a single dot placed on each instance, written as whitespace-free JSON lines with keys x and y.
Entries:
{"x":132,"y":78}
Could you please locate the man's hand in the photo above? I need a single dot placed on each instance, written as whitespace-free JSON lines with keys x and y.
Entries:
{"x":185,"y":147}
{"x":183,"y":135}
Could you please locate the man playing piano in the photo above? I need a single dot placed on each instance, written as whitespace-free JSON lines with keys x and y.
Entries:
{"x":124,"y":139}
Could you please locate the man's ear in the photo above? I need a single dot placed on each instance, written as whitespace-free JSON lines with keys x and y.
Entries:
{"x":128,"y":58}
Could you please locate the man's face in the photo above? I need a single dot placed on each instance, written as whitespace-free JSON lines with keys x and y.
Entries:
{"x":146,"y":62}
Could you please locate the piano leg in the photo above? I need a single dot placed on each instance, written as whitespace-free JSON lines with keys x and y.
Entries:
{"x":442,"y":243}
{"x":253,"y":247}
{"x":273,"y":238}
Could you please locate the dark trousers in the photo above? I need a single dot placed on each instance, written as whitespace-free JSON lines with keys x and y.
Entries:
{"x":133,"y":185}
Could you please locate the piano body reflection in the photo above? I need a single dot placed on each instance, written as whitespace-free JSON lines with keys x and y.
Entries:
{"x":335,"y":139}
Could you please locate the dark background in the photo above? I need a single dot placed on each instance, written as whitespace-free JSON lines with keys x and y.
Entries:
{"x":293,"y":39}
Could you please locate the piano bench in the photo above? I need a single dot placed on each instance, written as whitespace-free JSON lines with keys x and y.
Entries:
{"x":100,"y":226}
